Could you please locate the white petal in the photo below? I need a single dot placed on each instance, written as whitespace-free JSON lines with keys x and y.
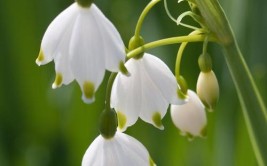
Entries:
{"x":87,"y":54}
{"x":162,"y":77}
{"x":112,"y":42}
{"x":118,"y":151}
{"x":126,"y":94}
{"x":62,"y":67}
{"x":62,"y":63}
{"x":153,"y":103}
{"x":190,"y":117}
{"x":57,"y":32}
{"x":93,"y":154}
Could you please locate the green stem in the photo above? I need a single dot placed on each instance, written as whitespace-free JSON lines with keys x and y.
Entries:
{"x":109,"y":88}
{"x":168,"y":41}
{"x":252,"y":104}
{"x":180,"y":54}
{"x":143,"y":15}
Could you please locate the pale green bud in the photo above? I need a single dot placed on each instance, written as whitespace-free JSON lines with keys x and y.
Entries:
{"x":208,"y":89}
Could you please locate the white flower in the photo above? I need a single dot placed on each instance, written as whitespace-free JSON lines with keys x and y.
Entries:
{"x":190,"y":117}
{"x":145,"y":94}
{"x":83,"y":43}
{"x":208,"y":89}
{"x":121,"y":150}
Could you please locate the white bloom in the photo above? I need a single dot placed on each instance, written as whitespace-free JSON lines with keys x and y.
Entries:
{"x":121,"y":150}
{"x":208,"y":89}
{"x":190,"y":117}
{"x":83,"y":43}
{"x":146,"y":93}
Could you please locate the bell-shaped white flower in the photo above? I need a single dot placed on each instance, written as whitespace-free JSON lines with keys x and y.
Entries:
{"x":121,"y":150}
{"x":147,"y":93}
{"x":83,"y":43}
{"x":208,"y":89}
{"x":190,"y":118}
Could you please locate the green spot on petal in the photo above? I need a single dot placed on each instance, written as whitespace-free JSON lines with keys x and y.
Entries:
{"x":40,"y":57}
{"x":156,"y":118}
{"x":88,"y":89}
{"x":123,"y":69}
{"x":189,"y":136}
{"x":58,"y":81}
{"x":181,"y":95}
{"x":151,"y":162}
{"x":121,"y":120}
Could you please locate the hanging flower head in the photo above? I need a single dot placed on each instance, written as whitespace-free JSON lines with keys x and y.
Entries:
{"x":147,"y":93}
{"x":190,"y":117}
{"x":207,"y":84}
{"x":119,"y":150}
{"x":83,"y":43}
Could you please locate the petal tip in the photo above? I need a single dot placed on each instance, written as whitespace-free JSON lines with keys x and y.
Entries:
{"x":88,"y":92}
{"x":156,"y":118}
{"x":58,"y":81}
{"x":40,"y":58}
{"x":88,"y":100}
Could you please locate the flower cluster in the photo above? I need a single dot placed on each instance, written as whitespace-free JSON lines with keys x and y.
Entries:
{"x":83,"y":43}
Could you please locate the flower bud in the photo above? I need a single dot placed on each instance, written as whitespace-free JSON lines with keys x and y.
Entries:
{"x":190,"y":118}
{"x":208,"y":89}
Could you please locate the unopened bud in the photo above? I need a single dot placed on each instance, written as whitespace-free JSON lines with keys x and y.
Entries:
{"x":208,"y":89}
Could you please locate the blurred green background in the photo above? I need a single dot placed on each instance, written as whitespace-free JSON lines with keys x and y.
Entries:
{"x":44,"y":127}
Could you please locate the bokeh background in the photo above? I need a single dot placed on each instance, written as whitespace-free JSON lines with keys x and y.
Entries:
{"x":44,"y":127}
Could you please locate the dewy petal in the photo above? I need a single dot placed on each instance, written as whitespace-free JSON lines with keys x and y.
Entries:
{"x":162,"y":77}
{"x":56,"y":33}
{"x":112,"y":42}
{"x":86,"y":55}
{"x":125,"y":95}
{"x":120,"y":150}
{"x":190,"y":117}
